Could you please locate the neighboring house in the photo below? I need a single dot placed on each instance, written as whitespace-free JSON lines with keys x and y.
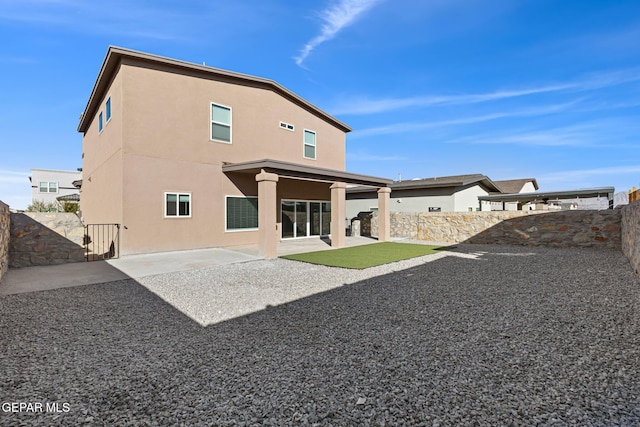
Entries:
{"x":442,"y":194}
{"x":584,"y":198}
{"x":512,"y":186}
{"x":186,"y":156}
{"x":48,"y":185}
{"x":459,"y":193}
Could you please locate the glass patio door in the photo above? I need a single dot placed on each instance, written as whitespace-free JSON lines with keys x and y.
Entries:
{"x":305,"y":219}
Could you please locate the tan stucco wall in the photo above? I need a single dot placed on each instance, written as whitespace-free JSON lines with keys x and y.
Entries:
{"x":168,"y":116}
{"x":158,"y":141}
{"x":102,"y":183}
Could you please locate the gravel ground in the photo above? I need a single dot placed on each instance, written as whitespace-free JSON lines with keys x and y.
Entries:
{"x":493,"y":336}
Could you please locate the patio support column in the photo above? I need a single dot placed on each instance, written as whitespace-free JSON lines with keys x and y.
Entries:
{"x":384,"y":216}
{"x":338,"y":212}
{"x":267,"y":214}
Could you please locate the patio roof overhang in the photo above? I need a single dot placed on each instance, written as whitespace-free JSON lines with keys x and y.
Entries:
{"x":551,"y":195}
{"x":298,"y":171}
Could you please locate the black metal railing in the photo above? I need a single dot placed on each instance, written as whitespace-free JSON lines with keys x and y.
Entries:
{"x":101,"y":241}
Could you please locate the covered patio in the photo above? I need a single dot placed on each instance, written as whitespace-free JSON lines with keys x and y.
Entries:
{"x":276,"y":179}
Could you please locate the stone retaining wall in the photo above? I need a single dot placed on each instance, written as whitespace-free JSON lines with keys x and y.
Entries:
{"x":4,"y":238}
{"x":45,"y":239}
{"x":529,"y":228}
{"x":631,"y":234}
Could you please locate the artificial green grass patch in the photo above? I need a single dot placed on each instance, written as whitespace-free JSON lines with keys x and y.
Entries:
{"x":365,"y":256}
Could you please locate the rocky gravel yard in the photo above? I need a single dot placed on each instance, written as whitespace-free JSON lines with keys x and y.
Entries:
{"x":498,"y":335}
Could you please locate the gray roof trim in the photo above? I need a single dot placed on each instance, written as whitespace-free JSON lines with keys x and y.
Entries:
{"x":568,"y":194}
{"x":295,"y":170}
{"x":438,"y":182}
{"x":115,"y":54}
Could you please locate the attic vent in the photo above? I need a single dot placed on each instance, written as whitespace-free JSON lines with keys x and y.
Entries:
{"x":287,"y":126}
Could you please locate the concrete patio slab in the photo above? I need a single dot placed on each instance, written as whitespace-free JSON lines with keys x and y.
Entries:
{"x":32,"y":279}
{"x":43,"y":278}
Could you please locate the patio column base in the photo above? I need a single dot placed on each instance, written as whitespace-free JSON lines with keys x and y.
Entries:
{"x":267,"y":214}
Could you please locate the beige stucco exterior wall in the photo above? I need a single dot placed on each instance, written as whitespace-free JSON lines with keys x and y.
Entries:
{"x":158,"y":141}
{"x":102,"y":183}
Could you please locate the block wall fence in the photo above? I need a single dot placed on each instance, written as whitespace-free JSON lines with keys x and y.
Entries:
{"x":4,"y":238}
{"x":611,"y":229}
{"x":631,"y":234}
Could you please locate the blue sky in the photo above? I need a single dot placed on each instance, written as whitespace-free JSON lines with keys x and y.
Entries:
{"x":510,"y":89}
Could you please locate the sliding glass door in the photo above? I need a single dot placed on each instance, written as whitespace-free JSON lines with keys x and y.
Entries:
{"x":305,"y":218}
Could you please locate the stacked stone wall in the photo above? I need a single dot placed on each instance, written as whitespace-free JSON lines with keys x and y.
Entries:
{"x":4,"y":238}
{"x":530,"y":228}
{"x":631,"y":234}
{"x":45,"y":239}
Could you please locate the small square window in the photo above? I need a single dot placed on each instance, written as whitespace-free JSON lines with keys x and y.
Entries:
{"x":177,"y":205}
{"x":287,"y":126}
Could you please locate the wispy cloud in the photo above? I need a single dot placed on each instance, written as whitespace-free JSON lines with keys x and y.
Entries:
{"x":602,"y":133}
{"x":589,"y":82}
{"x":581,"y":174}
{"x":140,"y":21}
{"x":12,"y":177}
{"x":335,"y":18}
{"x":367,"y":157}
{"x":418,"y":126}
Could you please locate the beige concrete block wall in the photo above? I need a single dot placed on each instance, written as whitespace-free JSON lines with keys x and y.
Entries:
{"x":631,"y":234}
{"x":4,"y":238}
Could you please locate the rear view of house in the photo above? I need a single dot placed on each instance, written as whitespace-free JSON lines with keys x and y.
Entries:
{"x":186,"y":156}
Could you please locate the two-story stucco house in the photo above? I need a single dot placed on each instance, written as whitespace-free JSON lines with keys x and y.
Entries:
{"x":48,"y":185}
{"x":187,"y":156}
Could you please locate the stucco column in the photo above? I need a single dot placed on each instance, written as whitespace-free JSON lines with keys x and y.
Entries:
{"x":384,"y":218}
{"x":338,"y":212}
{"x":267,"y":214}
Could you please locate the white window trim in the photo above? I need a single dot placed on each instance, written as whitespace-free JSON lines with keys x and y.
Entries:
{"x":308,"y":225}
{"x":100,"y":123}
{"x":107,"y":119}
{"x":211,"y":138}
{"x":49,"y":187}
{"x":286,"y":126}
{"x":177,"y":193}
{"x":304,"y":144}
{"x":237,"y":230}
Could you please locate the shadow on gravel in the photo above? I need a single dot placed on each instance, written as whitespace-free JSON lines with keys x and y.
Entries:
{"x":514,"y":336}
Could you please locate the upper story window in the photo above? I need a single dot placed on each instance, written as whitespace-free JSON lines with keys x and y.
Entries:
{"x":177,"y":205}
{"x":48,"y":187}
{"x":287,"y":126}
{"x":100,"y":122}
{"x":107,"y":109}
{"x":220,"y":123}
{"x":309,"y":144}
